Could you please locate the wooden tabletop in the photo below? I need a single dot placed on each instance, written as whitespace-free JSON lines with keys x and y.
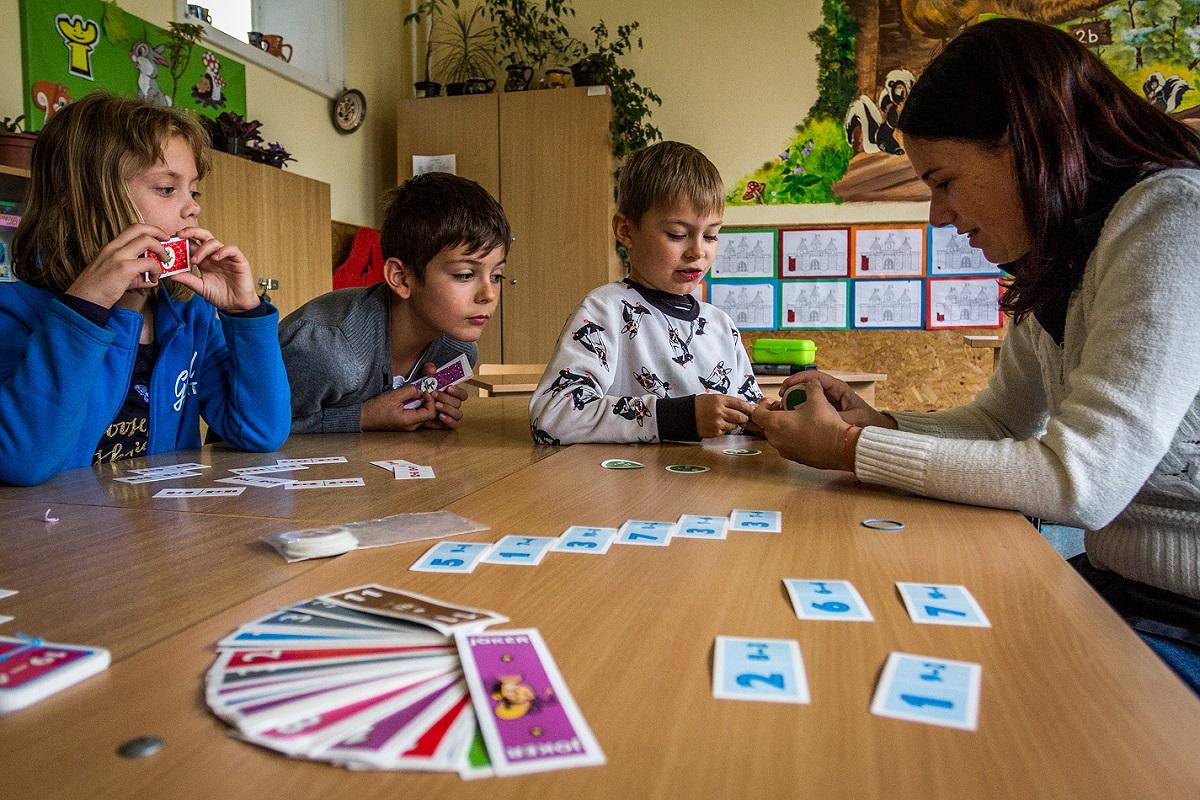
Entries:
{"x":524,"y":384}
{"x":492,"y":441}
{"x":1072,"y":705}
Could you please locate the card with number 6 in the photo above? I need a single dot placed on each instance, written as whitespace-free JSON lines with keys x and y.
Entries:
{"x":769,"y":670}
{"x":451,"y":557}
{"x":942,"y":604}
{"x":827,"y":599}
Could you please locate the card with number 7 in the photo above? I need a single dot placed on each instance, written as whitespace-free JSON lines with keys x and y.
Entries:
{"x":451,"y":557}
{"x":942,"y":604}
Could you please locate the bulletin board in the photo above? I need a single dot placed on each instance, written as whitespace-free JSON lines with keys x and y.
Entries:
{"x":72,"y":47}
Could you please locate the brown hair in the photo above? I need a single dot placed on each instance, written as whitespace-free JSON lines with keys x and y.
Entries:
{"x":430,"y":212}
{"x":1079,"y":137}
{"x":665,"y":172}
{"x":78,"y":192}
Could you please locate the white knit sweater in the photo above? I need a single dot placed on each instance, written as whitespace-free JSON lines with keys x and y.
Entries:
{"x":1103,"y":432}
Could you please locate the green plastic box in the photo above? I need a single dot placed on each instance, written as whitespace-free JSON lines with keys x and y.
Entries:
{"x":797,"y":352}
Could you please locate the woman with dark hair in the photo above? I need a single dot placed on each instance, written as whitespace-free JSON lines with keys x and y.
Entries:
{"x":1090,"y":197}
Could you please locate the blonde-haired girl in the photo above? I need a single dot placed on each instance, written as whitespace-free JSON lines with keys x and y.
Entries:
{"x":100,"y":361}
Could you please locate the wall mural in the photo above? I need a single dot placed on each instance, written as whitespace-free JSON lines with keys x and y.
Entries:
{"x":871,"y":51}
{"x":71,"y":47}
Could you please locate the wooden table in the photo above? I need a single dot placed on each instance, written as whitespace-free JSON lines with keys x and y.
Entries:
{"x":492,"y":441}
{"x":524,"y":384}
{"x":1073,"y":705}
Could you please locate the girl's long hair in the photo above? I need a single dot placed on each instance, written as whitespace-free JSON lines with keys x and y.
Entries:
{"x":78,"y":197}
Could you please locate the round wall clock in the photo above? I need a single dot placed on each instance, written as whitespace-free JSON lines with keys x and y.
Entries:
{"x":349,"y":110}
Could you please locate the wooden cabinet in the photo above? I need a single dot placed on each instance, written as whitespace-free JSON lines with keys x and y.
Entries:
{"x":545,"y":155}
{"x":280,"y":220}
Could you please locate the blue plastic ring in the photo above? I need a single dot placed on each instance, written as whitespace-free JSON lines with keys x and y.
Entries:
{"x":883,"y":524}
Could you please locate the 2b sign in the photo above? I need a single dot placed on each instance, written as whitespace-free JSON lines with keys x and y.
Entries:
{"x":1092,"y":34}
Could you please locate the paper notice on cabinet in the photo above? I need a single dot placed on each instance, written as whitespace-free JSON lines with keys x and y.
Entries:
{"x":445,"y":163}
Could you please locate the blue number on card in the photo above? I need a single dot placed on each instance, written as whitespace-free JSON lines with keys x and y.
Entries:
{"x":935,"y":593}
{"x":512,"y":555}
{"x":933,"y":611}
{"x":748,"y":679}
{"x":752,"y":524}
{"x":704,"y":531}
{"x":821,"y":587}
{"x":445,"y":562}
{"x":920,"y":702}
{"x":635,"y":535}
{"x":458,"y":548}
{"x":935,"y":675}
{"x":578,"y":543}
{"x":525,"y":543}
{"x":832,"y":606}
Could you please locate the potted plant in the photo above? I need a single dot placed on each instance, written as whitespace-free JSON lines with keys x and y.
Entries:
{"x":230,"y":132}
{"x":427,"y":11}
{"x":273,"y":154}
{"x":529,"y":34}
{"x":16,"y":146}
{"x":600,"y":65}
{"x":463,"y":50}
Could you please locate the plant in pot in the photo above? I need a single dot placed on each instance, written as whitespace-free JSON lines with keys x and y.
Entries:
{"x":273,"y":154}
{"x":600,"y":65}
{"x":529,"y":34}
{"x":231,"y":133}
{"x":465,"y":52}
{"x":16,"y":146}
{"x":428,"y":11}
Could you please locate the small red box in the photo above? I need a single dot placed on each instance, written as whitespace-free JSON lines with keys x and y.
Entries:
{"x":177,"y":260}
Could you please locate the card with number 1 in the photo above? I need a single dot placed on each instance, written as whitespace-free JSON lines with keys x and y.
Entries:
{"x":769,"y":670}
{"x":451,"y":557}
{"x":935,"y":691}
{"x":523,"y":550}
{"x":942,"y":604}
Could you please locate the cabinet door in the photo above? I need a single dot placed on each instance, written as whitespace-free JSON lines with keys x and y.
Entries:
{"x":280,"y":220}
{"x":467,"y":127}
{"x":556,"y":185}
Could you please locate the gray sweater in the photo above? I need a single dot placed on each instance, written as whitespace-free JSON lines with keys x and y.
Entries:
{"x":337,"y":353}
{"x":1103,"y":432}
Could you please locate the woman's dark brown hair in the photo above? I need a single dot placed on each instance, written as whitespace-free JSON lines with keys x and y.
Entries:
{"x":1079,"y":137}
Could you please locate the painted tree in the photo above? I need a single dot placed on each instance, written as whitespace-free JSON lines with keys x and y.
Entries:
{"x":837,"y":74}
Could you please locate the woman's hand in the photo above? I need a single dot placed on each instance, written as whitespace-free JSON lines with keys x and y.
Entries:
{"x":815,"y":432}
{"x":225,"y":278}
{"x":120,"y":266}
{"x":852,"y":408}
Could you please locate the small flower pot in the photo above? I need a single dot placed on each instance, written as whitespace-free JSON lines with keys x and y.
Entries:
{"x":16,"y":149}
{"x":427,"y":88}
{"x":587,"y":72}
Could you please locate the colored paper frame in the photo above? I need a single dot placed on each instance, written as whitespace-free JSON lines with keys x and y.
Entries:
{"x":812,"y":260}
{"x":950,"y":254}
{"x":890,"y":312}
{"x":831,"y":318}
{"x":743,"y":254}
{"x":749,"y":316}
{"x":893,"y":249}
{"x":953,"y":315}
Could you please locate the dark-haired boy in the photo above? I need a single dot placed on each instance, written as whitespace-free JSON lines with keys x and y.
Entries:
{"x":353,"y":355}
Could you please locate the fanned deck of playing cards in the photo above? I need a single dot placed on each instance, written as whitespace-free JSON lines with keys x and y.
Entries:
{"x":383,"y":679}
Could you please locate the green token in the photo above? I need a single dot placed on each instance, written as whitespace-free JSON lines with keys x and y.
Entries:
{"x":794,"y":396}
{"x":620,"y":463}
{"x":686,"y":468}
{"x":733,"y":451}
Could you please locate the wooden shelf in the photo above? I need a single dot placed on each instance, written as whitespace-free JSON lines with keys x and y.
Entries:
{"x":15,"y":172}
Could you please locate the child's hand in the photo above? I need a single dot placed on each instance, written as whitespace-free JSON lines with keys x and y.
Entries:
{"x":120,"y":266}
{"x":448,"y":403}
{"x":386,"y":411}
{"x":718,"y":414}
{"x":225,"y":278}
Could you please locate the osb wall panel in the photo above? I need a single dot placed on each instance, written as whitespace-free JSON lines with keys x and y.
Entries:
{"x":927,"y":370}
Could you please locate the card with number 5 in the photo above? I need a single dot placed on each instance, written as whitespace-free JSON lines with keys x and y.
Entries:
{"x":942,"y":604}
{"x":451,"y":557}
{"x":827,"y":599}
{"x":769,"y":670}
